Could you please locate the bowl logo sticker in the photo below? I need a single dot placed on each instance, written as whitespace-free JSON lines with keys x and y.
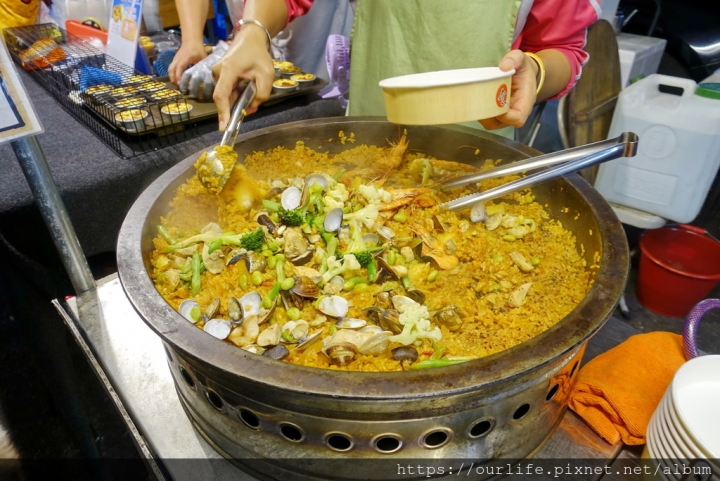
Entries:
{"x":501,"y":97}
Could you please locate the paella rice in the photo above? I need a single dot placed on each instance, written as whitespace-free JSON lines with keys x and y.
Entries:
{"x":346,"y":261}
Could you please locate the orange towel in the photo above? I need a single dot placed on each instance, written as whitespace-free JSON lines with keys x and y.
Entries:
{"x":617,"y":392}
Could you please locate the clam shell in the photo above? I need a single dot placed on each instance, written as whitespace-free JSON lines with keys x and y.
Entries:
{"x":278,"y":352}
{"x":334,"y":285}
{"x":254,"y":348}
{"x":186,"y":307}
{"x":255,"y":261}
{"x":270,"y":336}
{"x":297,"y":329}
{"x":316,"y":179}
{"x":309,"y":339}
{"x":390,"y":321}
{"x":401,"y":302}
{"x":305,"y":287}
{"x":234,"y":309}
{"x":334,"y":306}
{"x":212,"y":309}
{"x":333,"y":220}
{"x":340,"y":352}
{"x":291,"y":198}
{"x":350,"y":323}
{"x":375,"y":344}
{"x":250,"y":304}
{"x":385,"y":232}
{"x":405,"y":353}
{"x":219,"y":328}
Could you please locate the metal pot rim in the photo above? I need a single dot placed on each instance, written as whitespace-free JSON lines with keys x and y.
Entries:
{"x":575,"y":328}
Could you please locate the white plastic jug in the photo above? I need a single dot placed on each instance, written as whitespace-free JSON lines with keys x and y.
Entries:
{"x":678,"y":156}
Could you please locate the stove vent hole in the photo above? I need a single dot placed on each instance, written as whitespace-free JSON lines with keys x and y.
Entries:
{"x":552,"y":392}
{"x":249,"y":418}
{"x":521,"y":411}
{"x":481,"y":428}
{"x":292,"y":433}
{"x":388,"y":444}
{"x":435,"y":439}
{"x":339,"y":442}
{"x":214,"y":399}
{"x":187,"y":378}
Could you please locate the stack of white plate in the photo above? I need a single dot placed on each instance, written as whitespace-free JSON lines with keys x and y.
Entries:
{"x":683,"y":438}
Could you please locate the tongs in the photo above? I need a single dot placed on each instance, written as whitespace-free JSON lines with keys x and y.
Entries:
{"x":211,"y":171}
{"x":560,"y":163}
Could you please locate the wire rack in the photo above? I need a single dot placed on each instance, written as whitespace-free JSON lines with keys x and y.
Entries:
{"x":130,"y":112}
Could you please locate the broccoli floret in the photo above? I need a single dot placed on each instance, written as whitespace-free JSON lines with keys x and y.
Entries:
{"x":336,"y":268}
{"x":364,"y":258}
{"x":292,"y":218}
{"x":253,"y":241}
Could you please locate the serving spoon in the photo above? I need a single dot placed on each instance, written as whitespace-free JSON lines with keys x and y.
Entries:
{"x":212,"y":169}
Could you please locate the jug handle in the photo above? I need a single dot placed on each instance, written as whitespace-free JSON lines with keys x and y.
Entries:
{"x":692,"y":321}
{"x":688,"y":85}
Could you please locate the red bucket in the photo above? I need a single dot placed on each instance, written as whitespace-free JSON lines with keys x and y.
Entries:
{"x":679,"y":266}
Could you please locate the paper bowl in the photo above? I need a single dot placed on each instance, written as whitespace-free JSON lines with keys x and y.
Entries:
{"x":132,"y":119}
{"x":176,"y":111}
{"x":447,"y":96}
{"x":285,"y":85}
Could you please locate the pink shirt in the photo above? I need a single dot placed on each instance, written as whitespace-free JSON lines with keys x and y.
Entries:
{"x":541,"y":24}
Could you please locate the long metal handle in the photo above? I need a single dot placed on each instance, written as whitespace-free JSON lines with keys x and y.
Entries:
{"x":532,"y":163}
{"x":626,"y":146}
{"x":238,"y":114}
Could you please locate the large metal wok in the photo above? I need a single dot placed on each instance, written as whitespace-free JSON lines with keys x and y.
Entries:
{"x":284,"y":421}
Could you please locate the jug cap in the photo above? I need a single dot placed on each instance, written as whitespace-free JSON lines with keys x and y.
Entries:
{"x":710,"y":90}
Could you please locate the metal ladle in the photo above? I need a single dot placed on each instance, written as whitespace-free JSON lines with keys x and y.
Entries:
{"x":212,"y":172}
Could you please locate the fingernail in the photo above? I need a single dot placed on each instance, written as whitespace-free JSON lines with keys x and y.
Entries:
{"x":222,"y":126}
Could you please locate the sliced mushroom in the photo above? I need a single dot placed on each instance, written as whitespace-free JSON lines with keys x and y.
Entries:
{"x":214,"y":262}
{"x":520,"y":261}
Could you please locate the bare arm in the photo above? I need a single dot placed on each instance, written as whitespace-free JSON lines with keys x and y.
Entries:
{"x":248,"y":57}
{"x":192,"y":15}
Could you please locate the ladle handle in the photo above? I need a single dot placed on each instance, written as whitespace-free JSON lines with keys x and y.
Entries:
{"x":627,"y":147}
{"x":238,"y":114}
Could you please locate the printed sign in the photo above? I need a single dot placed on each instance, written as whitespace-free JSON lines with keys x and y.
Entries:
{"x":17,"y":117}
{"x":125,"y":18}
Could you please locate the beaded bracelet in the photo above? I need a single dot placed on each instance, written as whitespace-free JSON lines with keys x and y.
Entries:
{"x":541,"y":70}
{"x":243,"y":22}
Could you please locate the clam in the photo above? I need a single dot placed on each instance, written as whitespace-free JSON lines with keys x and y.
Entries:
{"x":371,"y":330}
{"x":405,"y":353}
{"x":275,"y":191}
{"x":478,"y":213}
{"x":386,"y":268}
{"x":315,"y":179}
{"x":334,"y":285}
{"x":416,"y":295}
{"x":390,"y":321}
{"x":290,"y":299}
{"x":255,"y":261}
{"x":350,"y":323}
{"x":294,"y":331}
{"x":219,"y":328}
{"x":492,"y":222}
{"x":234,"y":309}
{"x":265,"y":221}
{"x":402,"y":302}
{"x":334,"y":306}
{"x":340,"y":352}
{"x":305,"y":287}
{"x":373,"y":313}
{"x":371,"y":238}
{"x":214,"y":262}
{"x":375,"y":344}
{"x":190,"y":310}
{"x":303,"y":258}
{"x":294,"y":243}
{"x":254,"y":348}
{"x":278,"y":352}
{"x":250,"y":304}
{"x":385,"y":232}
{"x":449,"y":316}
{"x":270,"y":336}
{"x":291,"y":198}
{"x":212,"y":309}
{"x":333,"y":220}
{"x":235,"y":255}
{"x":383,"y":300}
{"x":313,"y":274}
{"x":309,"y":339}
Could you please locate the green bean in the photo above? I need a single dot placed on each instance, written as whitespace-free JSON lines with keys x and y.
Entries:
{"x":400,"y":217}
{"x":195,"y":282}
{"x":442,"y":362}
{"x":256,"y":277}
{"x":407,"y":283}
{"x":438,"y":351}
{"x":274,"y":291}
{"x":280,"y":257}
{"x":293,"y":313}
{"x":433,"y":275}
{"x":165,"y":234}
{"x":338,"y":174}
{"x":372,"y":270}
{"x":287,"y":284}
{"x":215,"y":246}
{"x":280,"y":270}
{"x":360,"y":287}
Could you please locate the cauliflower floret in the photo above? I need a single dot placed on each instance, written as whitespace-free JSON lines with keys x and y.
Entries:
{"x":335,"y":197}
{"x":366,"y":216}
{"x":415,"y":319}
{"x":374,"y":195}
{"x":337,"y":268}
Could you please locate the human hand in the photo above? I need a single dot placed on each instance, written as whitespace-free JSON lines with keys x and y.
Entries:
{"x":247,"y":58}
{"x":187,"y":54}
{"x":201,"y":74}
{"x":522,"y":91}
